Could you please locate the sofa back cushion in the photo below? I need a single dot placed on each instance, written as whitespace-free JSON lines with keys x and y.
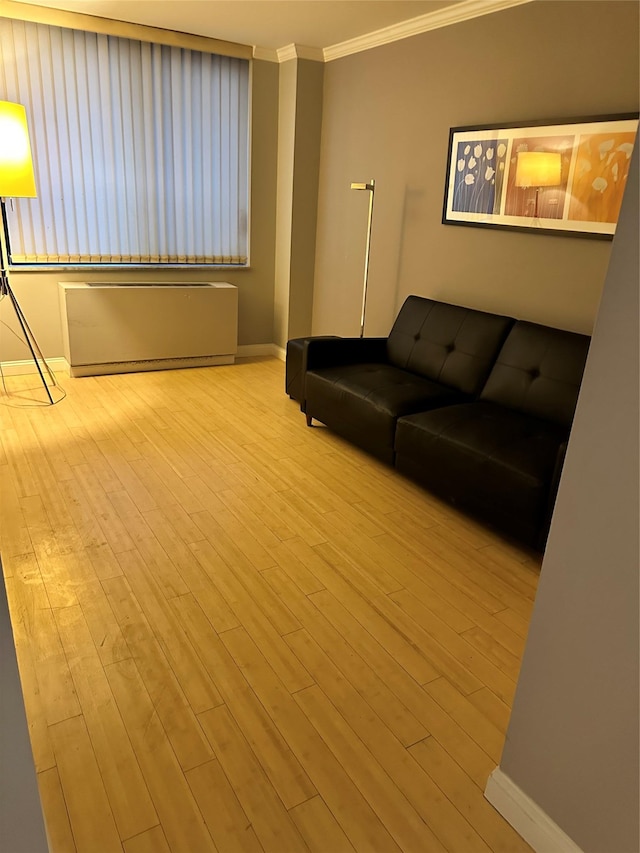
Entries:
{"x":446,"y":343}
{"x":538,"y":372}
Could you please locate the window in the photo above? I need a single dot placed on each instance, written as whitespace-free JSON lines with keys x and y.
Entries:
{"x":140,"y":150}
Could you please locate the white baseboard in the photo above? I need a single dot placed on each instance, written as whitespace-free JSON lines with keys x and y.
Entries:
{"x":526,"y":816}
{"x":251,"y":350}
{"x":27,"y":366}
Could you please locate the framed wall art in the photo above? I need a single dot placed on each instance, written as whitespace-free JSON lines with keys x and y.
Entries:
{"x":562,"y":178}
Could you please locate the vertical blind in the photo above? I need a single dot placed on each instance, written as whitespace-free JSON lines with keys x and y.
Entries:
{"x":140,"y":150}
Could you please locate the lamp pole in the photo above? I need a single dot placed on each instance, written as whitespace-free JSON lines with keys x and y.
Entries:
{"x":5,"y":290}
{"x":370,"y":188}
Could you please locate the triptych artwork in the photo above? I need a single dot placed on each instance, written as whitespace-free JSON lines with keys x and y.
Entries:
{"x":562,"y":178}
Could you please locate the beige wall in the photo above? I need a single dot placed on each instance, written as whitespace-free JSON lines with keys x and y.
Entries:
{"x":284,"y":218}
{"x":37,"y":292}
{"x":299,"y":126}
{"x":387,"y":114}
{"x":572,"y":742}
{"x":305,"y":196}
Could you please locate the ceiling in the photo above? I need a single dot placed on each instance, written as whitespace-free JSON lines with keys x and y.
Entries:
{"x":274,"y":24}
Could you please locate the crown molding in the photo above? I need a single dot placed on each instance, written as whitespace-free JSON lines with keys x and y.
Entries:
{"x":433,"y":20}
{"x":267,"y":54}
{"x":290,"y":51}
{"x":300,"y":51}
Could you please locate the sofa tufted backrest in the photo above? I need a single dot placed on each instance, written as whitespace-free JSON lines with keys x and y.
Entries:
{"x":538,"y":372}
{"x":446,"y":343}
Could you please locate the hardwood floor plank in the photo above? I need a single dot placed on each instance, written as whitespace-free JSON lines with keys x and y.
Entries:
{"x":518,"y":623}
{"x":364,"y":555}
{"x":302,"y":648}
{"x":250,"y":614}
{"x":457,"y":742}
{"x":443,"y":823}
{"x":458,"y":658}
{"x":448,"y":545}
{"x":102,"y":623}
{"x":273,"y":826}
{"x":275,"y":755}
{"x":464,"y":712}
{"x":493,"y":651}
{"x":175,"y":713}
{"x":400,"y":819}
{"x":85,"y":519}
{"x":296,"y":570}
{"x":179,"y":814}
{"x":118,"y":459}
{"x":187,"y":667}
{"x":127,"y":793}
{"x":365,"y":679}
{"x":112,"y":527}
{"x":265,"y":504}
{"x":54,"y":808}
{"x":165,"y":492}
{"x":33,"y":622}
{"x":244,"y":514}
{"x":319,"y":828}
{"x":228,"y":824}
{"x":430,"y":574}
{"x":469,"y":799}
{"x":494,"y":709}
{"x":302,"y":518}
{"x":417,"y":553}
{"x":129,"y":515}
{"x":20,"y":465}
{"x":195,"y":576}
{"x":14,"y":534}
{"x":357,"y":819}
{"x":34,"y":699}
{"x":90,"y":814}
{"x":151,"y":841}
{"x":378,"y":614}
{"x":459,"y":668}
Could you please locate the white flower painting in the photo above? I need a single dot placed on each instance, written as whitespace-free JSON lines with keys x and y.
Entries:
{"x":479,"y":177}
{"x":564,"y":178}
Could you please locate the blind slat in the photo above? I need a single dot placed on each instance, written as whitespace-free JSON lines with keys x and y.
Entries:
{"x":140,"y":150}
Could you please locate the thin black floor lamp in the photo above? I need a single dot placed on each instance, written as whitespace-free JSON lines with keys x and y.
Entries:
{"x":370,"y":187}
{"x":17,"y":181}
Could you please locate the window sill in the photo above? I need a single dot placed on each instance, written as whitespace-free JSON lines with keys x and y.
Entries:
{"x":93,"y":268}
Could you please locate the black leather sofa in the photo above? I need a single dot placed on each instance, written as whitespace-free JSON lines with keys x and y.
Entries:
{"x":477,"y":407}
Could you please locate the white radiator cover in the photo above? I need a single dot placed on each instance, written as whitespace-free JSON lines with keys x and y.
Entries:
{"x":122,"y":328}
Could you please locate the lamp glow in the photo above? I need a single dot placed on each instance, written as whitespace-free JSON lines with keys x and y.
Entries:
{"x":17,"y":181}
{"x":16,"y":165}
{"x":538,"y":169}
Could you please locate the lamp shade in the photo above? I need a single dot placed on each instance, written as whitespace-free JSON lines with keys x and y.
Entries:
{"x":538,"y":169}
{"x":16,"y":166}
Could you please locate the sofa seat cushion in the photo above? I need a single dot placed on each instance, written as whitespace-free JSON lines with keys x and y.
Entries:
{"x":363,"y":401}
{"x":497,"y":462}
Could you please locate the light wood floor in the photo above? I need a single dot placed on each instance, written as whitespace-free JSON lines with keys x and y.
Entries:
{"x":236,"y":633}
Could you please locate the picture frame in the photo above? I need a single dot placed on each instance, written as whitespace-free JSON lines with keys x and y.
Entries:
{"x":562,"y":177}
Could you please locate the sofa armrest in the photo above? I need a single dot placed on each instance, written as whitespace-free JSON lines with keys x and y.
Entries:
{"x":333,"y":352}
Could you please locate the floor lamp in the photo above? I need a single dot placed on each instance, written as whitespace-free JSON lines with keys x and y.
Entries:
{"x":370,"y":187}
{"x":17,"y":181}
